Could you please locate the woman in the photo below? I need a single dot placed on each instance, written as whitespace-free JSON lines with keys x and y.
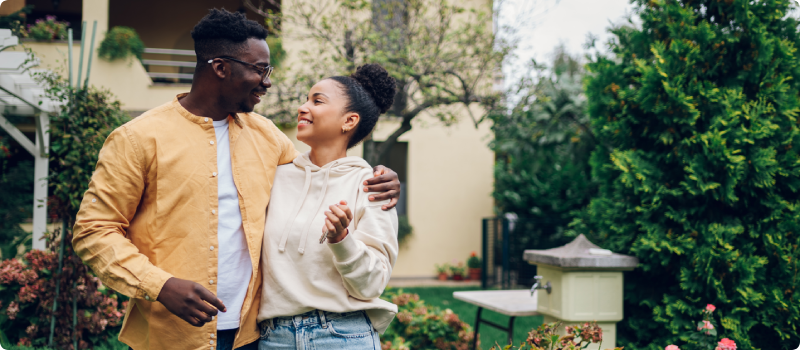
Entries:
{"x":322,"y":292}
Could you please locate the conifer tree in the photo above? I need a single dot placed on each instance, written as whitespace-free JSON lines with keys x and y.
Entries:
{"x":696,"y":110}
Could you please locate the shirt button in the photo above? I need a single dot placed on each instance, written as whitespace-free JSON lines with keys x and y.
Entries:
{"x":146,"y":297}
{"x":94,"y":200}
{"x":211,"y":342}
{"x":214,"y":174}
{"x":205,"y":120}
{"x":212,"y":335}
{"x":210,"y":281}
{"x":212,"y":248}
{"x":213,"y":212}
{"x":212,"y":142}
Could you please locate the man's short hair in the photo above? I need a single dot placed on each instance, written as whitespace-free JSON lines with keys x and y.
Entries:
{"x":224,"y":33}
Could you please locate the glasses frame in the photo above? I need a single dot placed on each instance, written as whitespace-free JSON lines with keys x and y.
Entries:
{"x":265,"y":72}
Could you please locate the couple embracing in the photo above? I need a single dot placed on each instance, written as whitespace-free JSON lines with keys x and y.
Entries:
{"x":223,"y":235}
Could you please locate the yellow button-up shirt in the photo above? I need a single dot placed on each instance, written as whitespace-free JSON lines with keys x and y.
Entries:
{"x":150,"y":214}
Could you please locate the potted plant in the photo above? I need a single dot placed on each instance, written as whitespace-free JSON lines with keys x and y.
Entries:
{"x":47,"y":29}
{"x":458,"y":271}
{"x":474,"y":266}
{"x":442,"y":271}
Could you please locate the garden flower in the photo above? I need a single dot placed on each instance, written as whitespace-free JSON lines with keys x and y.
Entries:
{"x":13,"y":309}
{"x":705,"y":325}
{"x":710,"y":308}
{"x":672,"y":347}
{"x":726,"y":344}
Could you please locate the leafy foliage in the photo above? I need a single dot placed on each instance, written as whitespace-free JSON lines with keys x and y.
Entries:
{"x":47,"y":29}
{"x":27,"y":290}
{"x":16,"y":182}
{"x":542,"y":149}
{"x":699,"y":107}
{"x":77,"y":134}
{"x":423,"y":327}
{"x":546,"y":337}
{"x":119,"y":43}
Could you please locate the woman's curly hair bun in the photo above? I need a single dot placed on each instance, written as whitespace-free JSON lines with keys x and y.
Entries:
{"x":377,"y":82}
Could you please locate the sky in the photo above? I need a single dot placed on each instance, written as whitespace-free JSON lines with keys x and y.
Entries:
{"x":547,"y":23}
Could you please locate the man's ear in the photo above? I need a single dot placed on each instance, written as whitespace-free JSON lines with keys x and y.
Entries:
{"x":351,"y":121}
{"x":220,"y":68}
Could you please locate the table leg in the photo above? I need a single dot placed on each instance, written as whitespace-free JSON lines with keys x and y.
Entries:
{"x":477,"y":326}
{"x":511,"y":330}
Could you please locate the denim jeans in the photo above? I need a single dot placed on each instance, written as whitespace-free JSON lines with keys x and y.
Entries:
{"x":225,"y":341}
{"x":319,"y":330}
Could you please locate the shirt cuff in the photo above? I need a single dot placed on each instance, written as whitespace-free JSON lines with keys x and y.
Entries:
{"x":346,"y":249}
{"x":150,"y":286}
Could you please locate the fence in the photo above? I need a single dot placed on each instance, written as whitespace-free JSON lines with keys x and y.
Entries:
{"x":504,"y":241}
{"x":171,"y":67}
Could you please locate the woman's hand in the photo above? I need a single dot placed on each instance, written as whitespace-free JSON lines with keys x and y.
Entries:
{"x":336,"y":222}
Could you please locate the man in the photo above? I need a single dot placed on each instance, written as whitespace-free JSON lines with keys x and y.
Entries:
{"x":174,"y":215}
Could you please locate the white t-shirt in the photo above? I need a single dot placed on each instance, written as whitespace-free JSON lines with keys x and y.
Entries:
{"x":233,"y":265}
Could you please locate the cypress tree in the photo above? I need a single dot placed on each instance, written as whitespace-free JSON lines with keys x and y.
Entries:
{"x":696,"y":112}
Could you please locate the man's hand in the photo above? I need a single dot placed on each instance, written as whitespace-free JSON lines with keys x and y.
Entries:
{"x":385,"y":181}
{"x":190,"y":301}
{"x":336,"y":222}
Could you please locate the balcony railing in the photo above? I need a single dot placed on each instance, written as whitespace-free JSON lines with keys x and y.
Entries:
{"x":172,"y":66}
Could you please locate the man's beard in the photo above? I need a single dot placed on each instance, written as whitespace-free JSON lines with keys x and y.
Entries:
{"x":244,"y":107}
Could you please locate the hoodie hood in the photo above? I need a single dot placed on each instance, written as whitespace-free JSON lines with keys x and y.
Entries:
{"x":340,"y":166}
{"x":337,"y":167}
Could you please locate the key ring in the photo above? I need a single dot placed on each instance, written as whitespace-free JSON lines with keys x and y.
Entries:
{"x":325,"y":234}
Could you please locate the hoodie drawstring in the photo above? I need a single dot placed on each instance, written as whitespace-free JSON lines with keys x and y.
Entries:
{"x":304,"y":237}
{"x":298,"y":206}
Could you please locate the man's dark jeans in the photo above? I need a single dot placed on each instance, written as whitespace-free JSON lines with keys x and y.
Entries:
{"x":225,"y":341}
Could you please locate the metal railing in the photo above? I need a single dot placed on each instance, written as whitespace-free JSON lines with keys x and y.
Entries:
{"x":171,"y":70}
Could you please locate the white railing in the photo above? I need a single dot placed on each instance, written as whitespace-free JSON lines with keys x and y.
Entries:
{"x":168,"y":77}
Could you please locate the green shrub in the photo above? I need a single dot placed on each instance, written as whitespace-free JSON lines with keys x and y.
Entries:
{"x":48,"y":29}
{"x":77,"y":134}
{"x":119,"y":43}
{"x":421,"y":327}
{"x":404,"y":229}
{"x":16,"y":181}
{"x":700,"y":179}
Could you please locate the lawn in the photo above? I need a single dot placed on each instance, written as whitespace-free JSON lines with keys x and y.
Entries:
{"x":443,"y":297}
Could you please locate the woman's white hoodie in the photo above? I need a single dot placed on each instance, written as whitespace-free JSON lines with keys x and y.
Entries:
{"x":300,"y":274}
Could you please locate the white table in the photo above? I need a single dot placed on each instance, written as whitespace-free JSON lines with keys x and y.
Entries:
{"x":513,"y":303}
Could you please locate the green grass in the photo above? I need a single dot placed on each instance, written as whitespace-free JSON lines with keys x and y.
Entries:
{"x":443,"y":298}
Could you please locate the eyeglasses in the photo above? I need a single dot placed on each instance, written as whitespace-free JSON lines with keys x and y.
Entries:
{"x":265,"y":71}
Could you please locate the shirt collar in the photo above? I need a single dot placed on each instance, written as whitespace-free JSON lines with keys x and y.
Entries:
{"x":197,"y":119}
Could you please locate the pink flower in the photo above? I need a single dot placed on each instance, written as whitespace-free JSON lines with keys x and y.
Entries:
{"x":705,"y":325}
{"x":726,"y":344}
{"x":672,"y":347}
{"x":710,"y":308}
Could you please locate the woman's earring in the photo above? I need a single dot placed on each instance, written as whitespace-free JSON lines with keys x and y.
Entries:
{"x":345,"y":129}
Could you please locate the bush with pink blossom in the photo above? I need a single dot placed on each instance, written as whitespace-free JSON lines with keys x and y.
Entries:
{"x":27,"y":291}
{"x":421,"y":326}
{"x":706,"y":335}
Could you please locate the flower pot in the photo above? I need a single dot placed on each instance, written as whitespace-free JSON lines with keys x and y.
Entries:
{"x":458,"y":278}
{"x":443,"y":276}
{"x":475,"y":274}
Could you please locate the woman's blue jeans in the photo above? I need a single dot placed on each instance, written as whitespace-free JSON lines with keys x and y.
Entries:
{"x":319,"y":330}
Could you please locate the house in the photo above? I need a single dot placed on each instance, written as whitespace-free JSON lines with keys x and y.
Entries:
{"x":447,"y":171}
